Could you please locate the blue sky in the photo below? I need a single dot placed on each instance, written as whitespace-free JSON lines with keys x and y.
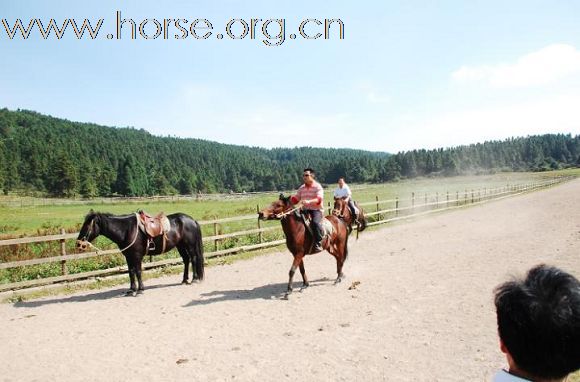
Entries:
{"x":407,"y":75}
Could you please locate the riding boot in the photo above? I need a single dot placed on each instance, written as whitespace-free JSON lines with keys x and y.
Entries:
{"x":317,"y":240}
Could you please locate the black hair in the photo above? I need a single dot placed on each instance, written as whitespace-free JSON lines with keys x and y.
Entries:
{"x":309,"y":169}
{"x":538,"y":321}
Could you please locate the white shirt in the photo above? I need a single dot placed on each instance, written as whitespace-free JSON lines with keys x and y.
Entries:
{"x":504,"y":376}
{"x":342,"y":192}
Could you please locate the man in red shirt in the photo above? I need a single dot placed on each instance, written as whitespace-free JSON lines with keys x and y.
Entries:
{"x":311,"y":195}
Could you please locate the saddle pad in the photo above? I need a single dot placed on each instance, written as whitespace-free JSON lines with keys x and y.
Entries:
{"x":166,"y":224}
{"x":327,"y":227}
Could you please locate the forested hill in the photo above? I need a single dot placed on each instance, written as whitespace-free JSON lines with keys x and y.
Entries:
{"x":40,"y":153}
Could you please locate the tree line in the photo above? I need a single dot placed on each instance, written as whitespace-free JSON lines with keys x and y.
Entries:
{"x":40,"y":154}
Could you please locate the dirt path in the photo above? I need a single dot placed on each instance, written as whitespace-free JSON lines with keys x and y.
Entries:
{"x":423,"y":310}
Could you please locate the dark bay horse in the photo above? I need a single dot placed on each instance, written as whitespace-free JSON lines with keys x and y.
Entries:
{"x":342,"y":211}
{"x":299,"y":240}
{"x":123,"y":230}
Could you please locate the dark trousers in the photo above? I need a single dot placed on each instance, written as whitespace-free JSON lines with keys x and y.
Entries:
{"x":352,"y":208}
{"x":317,"y":225}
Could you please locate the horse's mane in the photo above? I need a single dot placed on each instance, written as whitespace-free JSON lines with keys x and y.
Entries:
{"x":93,"y":214}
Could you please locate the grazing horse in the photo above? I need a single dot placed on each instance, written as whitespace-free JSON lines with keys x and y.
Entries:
{"x":299,"y":240}
{"x":125,"y":231}
{"x":342,"y":211}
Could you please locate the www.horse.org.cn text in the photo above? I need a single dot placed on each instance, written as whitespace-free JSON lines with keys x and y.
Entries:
{"x":271,"y":32}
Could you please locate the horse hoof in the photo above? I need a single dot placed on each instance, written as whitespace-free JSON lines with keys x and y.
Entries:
{"x":286,"y":296}
{"x":185,"y":282}
{"x":131,"y":293}
{"x":337,"y":281}
{"x":140,"y":291}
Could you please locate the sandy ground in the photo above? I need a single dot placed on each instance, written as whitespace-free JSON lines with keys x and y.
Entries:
{"x":423,"y":310}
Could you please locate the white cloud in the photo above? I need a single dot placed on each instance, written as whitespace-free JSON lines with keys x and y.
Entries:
{"x":542,"y":67}
{"x":559,"y":114}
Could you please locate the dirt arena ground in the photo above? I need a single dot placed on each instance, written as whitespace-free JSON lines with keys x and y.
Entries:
{"x":423,"y":310}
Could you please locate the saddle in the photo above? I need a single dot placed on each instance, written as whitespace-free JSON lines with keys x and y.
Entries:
{"x":153,"y":226}
{"x":327,"y":227}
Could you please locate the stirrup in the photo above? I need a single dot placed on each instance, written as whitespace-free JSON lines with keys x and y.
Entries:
{"x":150,"y":245}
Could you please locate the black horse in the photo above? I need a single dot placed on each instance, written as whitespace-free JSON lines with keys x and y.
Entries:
{"x":123,"y":230}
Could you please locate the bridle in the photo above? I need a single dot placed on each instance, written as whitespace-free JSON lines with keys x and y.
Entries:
{"x":89,"y":231}
{"x":340,"y":212}
{"x":84,"y":242}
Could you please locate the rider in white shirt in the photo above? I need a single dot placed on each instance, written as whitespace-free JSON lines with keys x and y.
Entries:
{"x":343,"y":191}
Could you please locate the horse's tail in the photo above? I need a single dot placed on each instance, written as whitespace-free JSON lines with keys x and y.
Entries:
{"x":362,"y":219}
{"x":363,"y":224}
{"x":197,"y":260}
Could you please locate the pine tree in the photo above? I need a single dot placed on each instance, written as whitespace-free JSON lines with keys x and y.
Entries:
{"x":88,"y":183}
{"x":64,"y":178}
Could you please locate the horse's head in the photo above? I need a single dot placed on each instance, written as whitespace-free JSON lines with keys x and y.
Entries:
{"x":340,"y":208}
{"x":276,"y":210}
{"x":89,"y":231}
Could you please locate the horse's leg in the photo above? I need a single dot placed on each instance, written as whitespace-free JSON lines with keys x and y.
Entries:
{"x":339,"y":264}
{"x":341,"y":254}
{"x":306,"y":284}
{"x":186,"y":257}
{"x":138,"y":270}
{"x":131,"y":266}
{"x":295,"y":264}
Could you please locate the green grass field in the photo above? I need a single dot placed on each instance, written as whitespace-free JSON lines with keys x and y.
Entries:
{"x":46,"y":218}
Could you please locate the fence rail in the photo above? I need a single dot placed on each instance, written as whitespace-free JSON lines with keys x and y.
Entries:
{"x":398,"y":209}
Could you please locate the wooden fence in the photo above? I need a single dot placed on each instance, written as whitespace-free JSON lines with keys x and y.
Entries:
{"x":378,"y":212}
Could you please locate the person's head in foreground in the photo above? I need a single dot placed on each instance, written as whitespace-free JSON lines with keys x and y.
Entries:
{"x":538,"y":320}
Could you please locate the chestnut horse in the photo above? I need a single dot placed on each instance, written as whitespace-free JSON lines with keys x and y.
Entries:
{"x":123,"y":230}
{"x":299,"y":240}
{"x":342,"y":211}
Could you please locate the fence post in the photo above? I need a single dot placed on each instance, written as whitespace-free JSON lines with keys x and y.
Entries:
{"x":456,"y":198}
{"x":260,"y":234}
{"x":472,"y":196}
{"x":437,"y":200}
{"x":215,"y":232}
{"x":397,"y":206}
{"x":447,"y":204}
{"x":412,"y":202}
{"x":63,"y":267}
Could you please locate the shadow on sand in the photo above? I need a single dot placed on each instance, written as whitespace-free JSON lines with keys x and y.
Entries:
{"x":109,"y":294}
{"x":266,"y":292}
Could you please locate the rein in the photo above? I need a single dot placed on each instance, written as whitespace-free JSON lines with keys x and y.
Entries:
{"x":136,"y":234}
{"x":288,"y":212}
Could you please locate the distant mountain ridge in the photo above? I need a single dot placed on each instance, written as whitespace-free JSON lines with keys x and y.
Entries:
{"x":40,"y":153}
